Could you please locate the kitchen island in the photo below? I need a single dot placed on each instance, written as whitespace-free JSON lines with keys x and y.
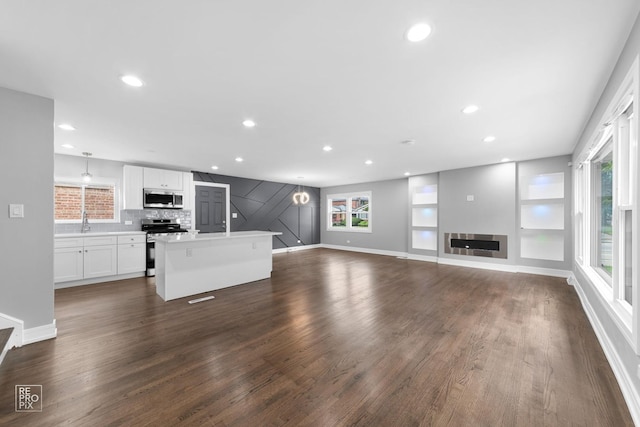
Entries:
{"x":195,"y":263}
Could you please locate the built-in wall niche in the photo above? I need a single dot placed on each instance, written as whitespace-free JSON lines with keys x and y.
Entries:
{"x":543,"y":186}
{"x":542,"y":245}
{"x":425,"y":239}
{"x":542,"y":216}
{"x":424,"y":217}
{"x":425,"y":195}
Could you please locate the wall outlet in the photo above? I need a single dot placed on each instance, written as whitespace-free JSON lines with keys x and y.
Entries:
{"x":189,"y":252}
{"x":16,"y":211}
{"x":128,"y":223}
{"x":234,"y":215}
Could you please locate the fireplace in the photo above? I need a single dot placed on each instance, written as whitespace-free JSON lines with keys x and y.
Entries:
{"x":484,"y":245}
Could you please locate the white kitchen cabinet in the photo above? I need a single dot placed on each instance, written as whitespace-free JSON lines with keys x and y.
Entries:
{"x":131,"y":258}
{"x":132,"y":184}
{"x":132,"y":254}
{"x":188,"y":200}
{"x":162,"y":179}
{"x":68,"y":264}
{"x":85,"y":258}
{"x":100,"y":261}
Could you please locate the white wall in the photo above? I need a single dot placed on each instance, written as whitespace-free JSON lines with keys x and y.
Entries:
{"x":26,"y":171}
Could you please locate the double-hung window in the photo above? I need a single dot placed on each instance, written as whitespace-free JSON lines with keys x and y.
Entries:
{"x":349,"y":212}
{"x":606,"y":215}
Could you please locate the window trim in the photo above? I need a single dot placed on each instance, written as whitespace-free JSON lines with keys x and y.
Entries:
{"x":349,"y":228}
{"x":95,"y":182}
{"x":626,"y":316}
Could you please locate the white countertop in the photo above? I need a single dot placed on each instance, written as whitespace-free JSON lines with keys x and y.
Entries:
{"x":191,"y":237}
{"x":100,"y":233}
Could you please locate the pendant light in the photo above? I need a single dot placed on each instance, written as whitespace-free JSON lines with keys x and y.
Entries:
{"x":300,"y":197}
{"x":86,"y":176}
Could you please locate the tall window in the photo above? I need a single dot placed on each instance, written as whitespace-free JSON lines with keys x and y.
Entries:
{"x":602,"y":181}
{"x":98,"y":201}
{"x":349,"y":212}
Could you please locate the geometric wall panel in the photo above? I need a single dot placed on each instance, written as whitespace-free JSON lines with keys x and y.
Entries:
{"x":266,"y":205}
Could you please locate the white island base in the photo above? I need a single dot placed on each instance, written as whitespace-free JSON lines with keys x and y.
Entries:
{"x":192,"y":264}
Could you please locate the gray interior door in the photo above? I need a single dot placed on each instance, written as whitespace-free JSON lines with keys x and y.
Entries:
{"x":211,"y":209}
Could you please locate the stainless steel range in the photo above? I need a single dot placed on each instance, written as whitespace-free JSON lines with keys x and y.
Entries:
{"x":155,"y":228}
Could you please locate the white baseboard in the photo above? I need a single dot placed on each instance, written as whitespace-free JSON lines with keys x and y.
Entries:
{"x":482,"y":265}
{"x":625,"y":381}
{"x":295,"y":249}
{"x":16,"y":339}
{"x":93,"y":281}
{"x":426,"y":258}
{"x":40,"y":333}
{"x":457,"y":262}
{"x":365,"y":250}
{"x":545,"y":271}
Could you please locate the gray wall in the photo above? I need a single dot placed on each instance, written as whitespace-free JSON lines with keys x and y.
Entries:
{"x":389,"y":217}
{"x":622,"y":348}
{"x":266,"y":205}
{"x":493,"y":210}
{"x":26,"y":171}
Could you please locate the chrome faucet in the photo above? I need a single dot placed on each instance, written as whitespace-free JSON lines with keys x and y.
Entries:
{"x":85,"y":223}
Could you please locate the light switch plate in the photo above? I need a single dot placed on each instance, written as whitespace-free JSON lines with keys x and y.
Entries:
{"x":470,"y":198}
{"x":16,"y":211}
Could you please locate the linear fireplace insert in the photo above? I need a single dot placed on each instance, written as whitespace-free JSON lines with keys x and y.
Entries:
{"x":484,"y":245}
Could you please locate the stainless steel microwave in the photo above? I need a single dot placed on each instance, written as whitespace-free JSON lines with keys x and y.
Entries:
{"x":163,"y":199}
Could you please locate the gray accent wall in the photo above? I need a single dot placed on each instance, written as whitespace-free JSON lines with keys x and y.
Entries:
{"x":492,"y":211}
{"x":268,"y":206}
{"x":389,"y":212}
{"x":26,"y":169}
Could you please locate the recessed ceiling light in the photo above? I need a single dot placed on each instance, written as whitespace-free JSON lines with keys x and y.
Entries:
{"x":368,"y":162}
{"x":131,"y":80}
{"x":327,"y":148}
{"x":67,"y":146}
{"x":418,"y":32}
{"x":505,"y":159}
{"x":249,"y":123}
{"x":470,"y":109}
{"x":407,"y":173}
{"x":489,"y":138}
{"x":239,"y":159}
{"x":66,"y":126}
{"x":408,"y":142}
{"x":215,"y":168}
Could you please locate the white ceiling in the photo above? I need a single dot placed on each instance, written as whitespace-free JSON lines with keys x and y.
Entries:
{"x":312,"y":73}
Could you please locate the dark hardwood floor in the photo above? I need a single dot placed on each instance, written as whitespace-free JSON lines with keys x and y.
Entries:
{"x":333,"y":338}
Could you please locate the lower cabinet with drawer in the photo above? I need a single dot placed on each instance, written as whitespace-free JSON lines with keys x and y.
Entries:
{"x":93,"y":259}
{"x":132,"y":252}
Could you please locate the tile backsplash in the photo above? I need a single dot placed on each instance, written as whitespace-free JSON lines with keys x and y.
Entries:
{"x":133,"y":215}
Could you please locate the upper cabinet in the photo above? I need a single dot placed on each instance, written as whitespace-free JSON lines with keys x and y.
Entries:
{"x":132,"y":184}
{"x":136,"y":178}
{"x":162,"y":179}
